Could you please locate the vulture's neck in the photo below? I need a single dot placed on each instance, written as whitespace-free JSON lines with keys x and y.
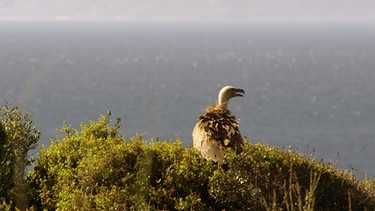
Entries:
{"x":221,"y":106}
{"x":222,"y":100}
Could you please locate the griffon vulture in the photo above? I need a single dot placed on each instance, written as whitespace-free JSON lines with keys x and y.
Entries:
{"x":218,"y":128}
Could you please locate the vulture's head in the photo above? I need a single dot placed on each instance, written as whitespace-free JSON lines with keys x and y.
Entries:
{"x":228,"y":92}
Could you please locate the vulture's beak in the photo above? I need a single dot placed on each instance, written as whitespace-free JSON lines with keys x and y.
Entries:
{"x":239,"y":92}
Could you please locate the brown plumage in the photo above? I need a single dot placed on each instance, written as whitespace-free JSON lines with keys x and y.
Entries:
{"x":218,"y":128}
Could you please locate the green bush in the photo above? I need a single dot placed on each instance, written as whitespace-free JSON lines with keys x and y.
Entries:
{"x":17,"y":137}
{"x":97,"y":169}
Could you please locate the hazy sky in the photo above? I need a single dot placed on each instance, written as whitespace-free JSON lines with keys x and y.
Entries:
{"x":190,"y":9}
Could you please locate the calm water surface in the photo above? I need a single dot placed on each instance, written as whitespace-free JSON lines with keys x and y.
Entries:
{"x":310,"y":85}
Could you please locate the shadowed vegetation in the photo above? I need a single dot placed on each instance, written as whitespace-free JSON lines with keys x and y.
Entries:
{"x":17,"y":137}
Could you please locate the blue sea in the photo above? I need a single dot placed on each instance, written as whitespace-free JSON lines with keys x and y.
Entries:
{"x":308,"y":84}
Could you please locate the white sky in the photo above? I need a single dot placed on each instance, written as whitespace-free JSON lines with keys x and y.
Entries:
{"x":191,"y":9}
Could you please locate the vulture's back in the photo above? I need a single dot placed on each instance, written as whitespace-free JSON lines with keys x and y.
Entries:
{"x":216,"y":130}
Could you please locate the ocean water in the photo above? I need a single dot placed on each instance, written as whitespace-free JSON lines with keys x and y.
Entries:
{"x":308,"y":84}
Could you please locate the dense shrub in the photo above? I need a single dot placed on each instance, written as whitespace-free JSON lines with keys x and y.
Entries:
{"x":17,"y":137}
{"x":97,"y":169}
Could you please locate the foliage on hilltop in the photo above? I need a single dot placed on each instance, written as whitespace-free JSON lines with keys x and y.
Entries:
{"x":97,"y":169}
